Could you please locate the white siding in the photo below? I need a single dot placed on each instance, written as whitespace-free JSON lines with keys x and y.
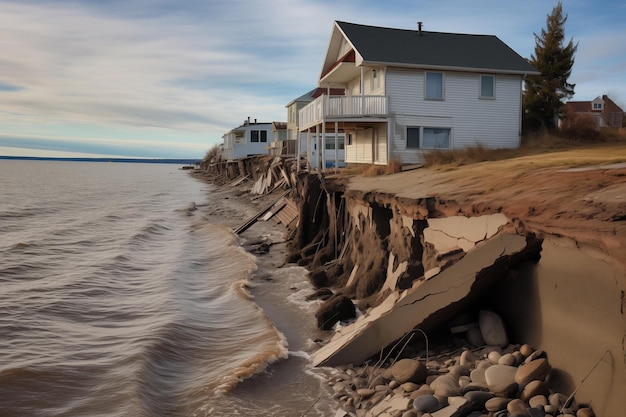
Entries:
{"x":494,"y":123}
{"x":361,"y":149}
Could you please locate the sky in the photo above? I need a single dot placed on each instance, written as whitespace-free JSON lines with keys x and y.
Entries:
{"x":168,"y":78}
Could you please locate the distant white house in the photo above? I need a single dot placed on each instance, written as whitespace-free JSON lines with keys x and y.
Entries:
{"x":307,"y":144}
{"x":405,"y":92}
{"x":251,"y":138}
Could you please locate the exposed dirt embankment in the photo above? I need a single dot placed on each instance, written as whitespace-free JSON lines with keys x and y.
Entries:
{"x":365,"y":238}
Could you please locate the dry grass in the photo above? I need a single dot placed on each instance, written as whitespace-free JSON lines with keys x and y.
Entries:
{"x":539,"y":143}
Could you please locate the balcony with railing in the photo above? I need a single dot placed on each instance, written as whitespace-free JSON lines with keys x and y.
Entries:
{"x":332,"y":108}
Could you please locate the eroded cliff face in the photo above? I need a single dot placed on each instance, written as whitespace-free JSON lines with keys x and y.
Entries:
{"x":369,"y":245}
{"x":421,"y":262}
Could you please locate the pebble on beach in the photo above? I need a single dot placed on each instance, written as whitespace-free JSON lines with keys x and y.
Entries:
{"x":494,"y":380}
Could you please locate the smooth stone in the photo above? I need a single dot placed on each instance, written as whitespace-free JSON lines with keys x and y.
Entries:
{"x":538,"y":400}
{"x":473,"y":387}
{"x":478,"y":398}
{"x":478,"y":376}
{"x":550,"y":409}
{"x":393,"y":384}
{"x":538,"y":354}
{"x":409,"y":413}
{"x":409,"y":386}
{"x":409,"y":370}
{"x":426,"y":403}
{"x":359,"y":382}
{"x":475,"y":337}
{"x":497,"y":404}
{"x":446,"y":386}
{"x":464,"y":381}
{"x":366,"y":392}
{"x":500,"y":374}
{"x":532,"y":389}
{"x":387,"y":374}
{"x":517,"y":406}
{"x":534,"y":370}
{"x":519,"y":358}
{"x":468,"y":358}
{"x":507,"y":359}
{"x":484,"y":364}
{"x":505,"y":390}
{"x":494,"y":357}
{"x":585,"y":412}
{"x":459,"y":370}
{"x":492,"y":328}
{"x":557,"y":399}
{"x":526,"y":350}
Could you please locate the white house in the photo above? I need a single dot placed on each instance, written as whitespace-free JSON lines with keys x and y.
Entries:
{"x":409,"y":91}
{"x":251,"y":138}
{"x":308,"y":149}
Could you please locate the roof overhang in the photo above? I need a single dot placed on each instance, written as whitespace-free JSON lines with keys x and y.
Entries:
{"x":341,"y":73}
{"x":449,"y":68}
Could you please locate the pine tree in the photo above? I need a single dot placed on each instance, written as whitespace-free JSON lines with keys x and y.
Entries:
{"x":554,"y":60}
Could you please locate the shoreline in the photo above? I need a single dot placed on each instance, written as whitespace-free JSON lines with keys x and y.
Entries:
{"x":448,"y":379}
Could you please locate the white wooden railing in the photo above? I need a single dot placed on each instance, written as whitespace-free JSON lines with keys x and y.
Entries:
{"x":330,"y":107}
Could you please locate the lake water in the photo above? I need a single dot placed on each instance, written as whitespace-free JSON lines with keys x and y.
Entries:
{"x":118,"y":299}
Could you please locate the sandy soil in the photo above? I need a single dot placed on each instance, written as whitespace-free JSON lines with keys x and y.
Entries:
{"x":576,"y":193}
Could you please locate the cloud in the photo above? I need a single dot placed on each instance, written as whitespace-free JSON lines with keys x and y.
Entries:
{"x":195,"y":69}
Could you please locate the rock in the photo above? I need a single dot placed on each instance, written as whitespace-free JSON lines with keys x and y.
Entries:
{"x":409,"y":386}
{"x":497,"y":404}
{"x":457,"y":406}
{"x":468,"y":358}
{"x":365,"y":392}
{"x":500,"y":374}
{"x":478,"y":398}
{"x":538,"y":400}
{"x":446,"y":386}
{"x":335,"y":309}
{"x":379,"y":380}
{"x":474,"y":337}
{"x":459,"y":370}
{"x":494,"y":357}
{"x":519,"y":358}
{"x":526,"y":350}
{"x":536,"y":355}
{"x":585,"y":412}
{"x":533,"y":389}
{"x":507,"y":359}
{"x":533,"y":370}
{"x":492,"y":328}
{"x":505,"y":389}
{"x":409,"y":413}
{"x":473,"y":386}
{"x":478,"y":376}
{"x":427,"y":404}
{"x":409,"y":370}
{"x":517,"y":407}
{"x":557,"y":400}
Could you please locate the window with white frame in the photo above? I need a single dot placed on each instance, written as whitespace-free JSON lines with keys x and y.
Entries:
{"x":434,"y":85}
{"x":597,"y":106}
{"x":435,"y":138}
{"x":487,"y":86}
{"x":258,"y":136}
{"x":428,"y":138}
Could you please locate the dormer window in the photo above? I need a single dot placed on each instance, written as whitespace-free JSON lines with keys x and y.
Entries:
{"x":597,"y":106}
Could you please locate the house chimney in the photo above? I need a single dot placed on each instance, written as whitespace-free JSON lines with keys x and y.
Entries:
{"x":248,"y":121}
{"x":419,"y":28}
{"x":254,"y":121}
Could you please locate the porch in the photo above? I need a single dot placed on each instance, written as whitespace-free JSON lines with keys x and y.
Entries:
{"x":342,"y":108}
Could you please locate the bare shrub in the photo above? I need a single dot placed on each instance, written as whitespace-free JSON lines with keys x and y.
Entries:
{"x":580,"y":127}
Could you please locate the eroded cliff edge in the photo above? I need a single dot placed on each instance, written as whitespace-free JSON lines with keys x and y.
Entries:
{"x":382,"y":241}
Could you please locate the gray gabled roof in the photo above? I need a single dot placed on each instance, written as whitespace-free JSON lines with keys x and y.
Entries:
{"x":415,"y":48}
